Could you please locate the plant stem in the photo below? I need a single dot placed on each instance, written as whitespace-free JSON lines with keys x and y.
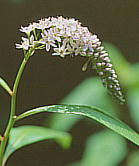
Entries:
{"x":13,"y":109}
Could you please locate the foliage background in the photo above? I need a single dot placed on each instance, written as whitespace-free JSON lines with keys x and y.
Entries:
{"x":48,"y":79}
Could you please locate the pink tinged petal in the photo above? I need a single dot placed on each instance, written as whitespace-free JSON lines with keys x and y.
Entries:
{"x":24,"y":39}
{"x":55,"y":54}
{"x":56,"y":50}
{"x":27,"y":29}
{"x":58,"y":39}
{"x":85,"y":47}
{"x":47,"y":47}
{"x":42,"y":41}
{"x":18,"y":46}
{"x":23,"y":29}
{"x":42,"y":35}
{"x":31,"y":39}
{"x":91,"y":48}
{"x":25,"y":47}
{"x":53,"y":44}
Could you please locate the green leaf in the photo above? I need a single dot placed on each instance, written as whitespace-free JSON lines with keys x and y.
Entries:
{"x":108,"y":145}
{"x":133,"y":103}
{"x":83,"y":94}
{"x":135,"y":68}
{"x":133,"y":159}
{"x":133,"y":96}
{"x":25,"y":135}
{"x":93,"y":113}
{"x":5,"y":86}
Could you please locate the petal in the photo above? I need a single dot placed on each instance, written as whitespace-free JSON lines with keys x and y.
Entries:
{"x":47,"y":47}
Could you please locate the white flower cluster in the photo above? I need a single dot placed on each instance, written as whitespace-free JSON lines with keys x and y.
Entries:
{"x":67,"y":37}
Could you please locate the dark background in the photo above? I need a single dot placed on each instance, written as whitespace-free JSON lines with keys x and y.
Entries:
{"x":48,"y":79}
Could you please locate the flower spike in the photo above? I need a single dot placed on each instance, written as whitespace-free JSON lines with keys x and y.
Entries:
{"x":66,"y":36}
{"x":102,"y":63}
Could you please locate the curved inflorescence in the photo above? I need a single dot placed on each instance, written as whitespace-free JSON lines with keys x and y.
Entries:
{"x":68,"y":37}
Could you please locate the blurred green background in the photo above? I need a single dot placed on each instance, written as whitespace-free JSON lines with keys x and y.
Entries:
{"x":47,"y":80}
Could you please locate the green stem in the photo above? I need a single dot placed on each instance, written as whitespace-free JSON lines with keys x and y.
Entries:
{"x":13,"y":108}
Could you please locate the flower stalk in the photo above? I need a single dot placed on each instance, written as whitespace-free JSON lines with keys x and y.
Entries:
{"x":13,"y":109}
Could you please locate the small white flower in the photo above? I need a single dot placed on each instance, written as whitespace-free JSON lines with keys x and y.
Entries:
{"x":48,"y":40}
{"x":24,"y":44}
{"x":43,"y":23}
{"x":28,"y":29}
{"x":61,"y":51}
{"x":55,"y":34}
